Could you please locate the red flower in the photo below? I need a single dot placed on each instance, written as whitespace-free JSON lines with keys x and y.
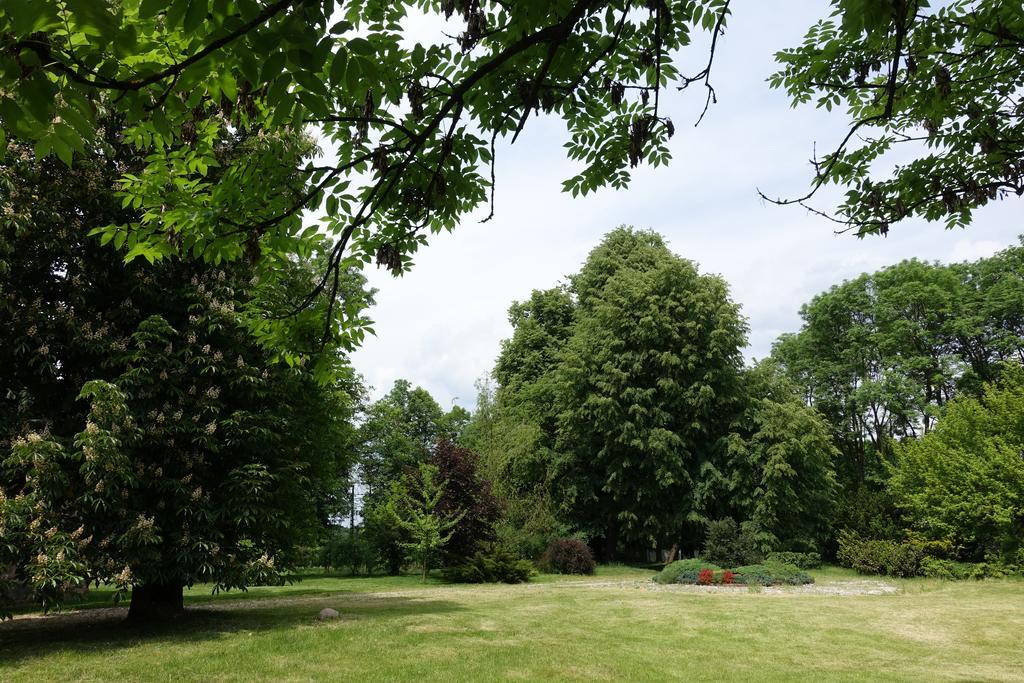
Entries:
{"x":728,"y":577}
{"x":705,"y":577}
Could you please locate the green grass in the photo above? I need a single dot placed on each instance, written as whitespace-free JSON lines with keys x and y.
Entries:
{"x":607,"y":627}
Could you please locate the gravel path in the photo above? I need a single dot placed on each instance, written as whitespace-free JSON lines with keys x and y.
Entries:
{"x":845,"y":588}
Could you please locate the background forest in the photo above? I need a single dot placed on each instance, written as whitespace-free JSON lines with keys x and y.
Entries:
{"x":620,"y":420}
{"x":885,"y":433}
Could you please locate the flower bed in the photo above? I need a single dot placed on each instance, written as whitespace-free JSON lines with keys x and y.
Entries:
{"x":770,"y":574}
{"x":700,"y":573}
{"x":684,"y":571}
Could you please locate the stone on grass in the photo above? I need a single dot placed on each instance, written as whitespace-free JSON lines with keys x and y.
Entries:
{"x":328,"y":613}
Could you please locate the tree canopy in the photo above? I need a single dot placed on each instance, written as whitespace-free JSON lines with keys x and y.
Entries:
{"x":881,"y":354}
{"x":939,"y":86}
{"x":646,"y":387}
{"x":401,"y":430}
{"x":409,"y":125}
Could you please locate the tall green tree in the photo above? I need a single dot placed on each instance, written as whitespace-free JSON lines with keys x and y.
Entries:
{"x":524,"y":417}
{"x":647,"y":387}
{"x":399,"y":432}
{"x":988,"y":329}
{"x":420,"y":514}
{"x":616,"y":393}
{"x":152,"y":442}
{"x":781,"y":458}
{"x":964,"y":482}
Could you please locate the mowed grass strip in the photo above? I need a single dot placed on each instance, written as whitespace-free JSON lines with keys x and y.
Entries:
{"x":612,"y":626}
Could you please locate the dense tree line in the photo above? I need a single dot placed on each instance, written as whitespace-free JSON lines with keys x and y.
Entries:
{"x":422,"y":495}
{"x":963,"y":483}
{"x":882,"y":355}
{"x":623,"y":412}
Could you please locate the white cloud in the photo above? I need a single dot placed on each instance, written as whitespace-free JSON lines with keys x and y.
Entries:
{"x":441,"y":324}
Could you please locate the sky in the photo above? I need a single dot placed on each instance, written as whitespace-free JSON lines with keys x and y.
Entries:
{"x":441,"y":324}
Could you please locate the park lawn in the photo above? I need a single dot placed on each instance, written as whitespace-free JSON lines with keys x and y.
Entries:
{"x":608,"y":627}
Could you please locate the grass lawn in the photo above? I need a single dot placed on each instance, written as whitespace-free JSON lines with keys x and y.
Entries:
{"x":608,"y":627}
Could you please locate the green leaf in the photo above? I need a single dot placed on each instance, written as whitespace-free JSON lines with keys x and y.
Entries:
{"x":196,"y":15}
{"x":273,"y":66}
{"x":62,"y":150}
{"x":176,"y":12}
{"x":338,"y":65}
{"x":360,"y":46}
{"x":151,"y":8}
{"x":228,"y":86}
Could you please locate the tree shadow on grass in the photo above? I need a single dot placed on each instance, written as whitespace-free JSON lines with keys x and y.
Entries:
{"x":202,"y":594}
{"x":106,"y":629}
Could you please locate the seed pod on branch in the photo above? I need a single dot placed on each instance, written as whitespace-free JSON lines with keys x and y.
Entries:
{"x":252,"y":246}
{"x":988,"y":143}
{"x":548,"y":100}
{"x":943,"y":81}
{"x":368,"y":106}
{"x":246,"y":101}
{"x":389,"y":257}
{"x":416,"y":96}
{"x":950,"y":199}
{"x":639,"y":133}
{"x":363,"y":124}
{"x":862,"y":75}
{"x":440,"y":189}
{"x":524,"y":92}
{"x":380,"y":159}
{"x":618,"y":92}
{"x":476,"y":22}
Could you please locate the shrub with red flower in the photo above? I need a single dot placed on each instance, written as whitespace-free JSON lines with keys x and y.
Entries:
{"x":728,"y":577}
{"x":706,"y":577}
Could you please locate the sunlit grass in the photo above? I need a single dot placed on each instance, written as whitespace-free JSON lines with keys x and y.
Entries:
{"x":605,"y":627}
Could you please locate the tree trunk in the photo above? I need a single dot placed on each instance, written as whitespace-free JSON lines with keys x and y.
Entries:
{"x":672,"y":554}
{"x":156,"y":602}
{"x":611,"y":542}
